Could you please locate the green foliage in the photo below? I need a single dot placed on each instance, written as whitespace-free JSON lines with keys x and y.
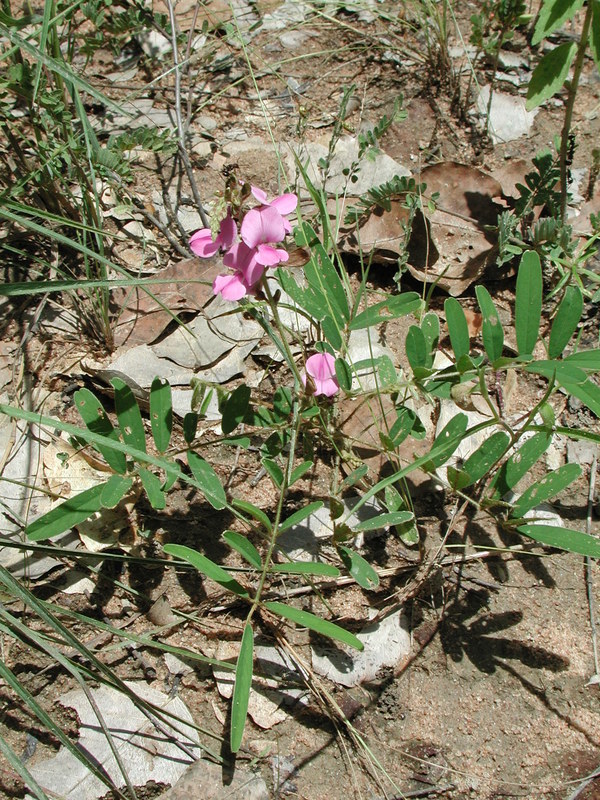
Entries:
{"x":381,"y":196}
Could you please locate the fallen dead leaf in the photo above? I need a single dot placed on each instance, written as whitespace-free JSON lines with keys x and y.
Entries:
{"x":459,"y":226}
{"x":142,"y":319}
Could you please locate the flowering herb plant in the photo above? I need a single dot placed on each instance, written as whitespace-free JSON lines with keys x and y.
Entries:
{"x":252,"y":245}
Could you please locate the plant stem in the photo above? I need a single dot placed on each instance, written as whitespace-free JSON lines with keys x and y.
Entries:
{"x":574,"y":84}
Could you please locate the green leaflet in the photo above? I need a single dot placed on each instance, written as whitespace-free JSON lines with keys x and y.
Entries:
{"x":128,"y":415}
{"x":206,"y":567}
{"x":241,"y":689}
{"x":566,"y":320}
{"x":115,"y":488}
{"x":481,"y":461}
{"x":208,"y":480}
{"x":93,"y":414}
{"x":551,"y":484}
{"x":68,"y":514}
{"x":161,"y":413}
{"x":235,"y":408}
{"x":519,"y":464}
{"x":383,"y":520}
{"x":360,"y":569}
{"x":492,"y":333}
{"x":153,"y":488}
{"x":300,"y":515}
{"x":308,"y":620}
{"x":244,"y":547}
{"x":565,"y":538}
{"x":458,"y":328}
{"x":528,"y":302}
{"x":551,"y":16}
{"x":393,"y":308}
{"x":550,"y":74}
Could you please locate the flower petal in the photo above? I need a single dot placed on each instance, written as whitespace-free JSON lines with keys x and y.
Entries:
{"x":285,"y":203}
{"x":260,"y":195}
{"x":270,"y":256}
{"x":230,"y":287}
{"x":244,"y":260}
{"x":321,"y":368}
{"x":227,"y":232}
{"x":201,"y":244}
{"x":261,"y":226}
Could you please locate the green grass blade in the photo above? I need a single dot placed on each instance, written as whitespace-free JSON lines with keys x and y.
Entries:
{"x":208,"y":480}
{"x":308,"y":620}
{"x":115,"y":488}
{"x":492,"y":333}
{"x":585,"y":359}
{"x":244,"y":547}
{"x":206,"y":567}
{"x":542,"y":490}
{"x":458,"y":328}
{"x":94,"y":416}
{"x":565,"y":538}
{"x":20,"y":768}
{"x":528,"y":303}
{"x":566,"y":321}
{"x":241,"y":689}
{"x":60,"y":68}
{"x":300,"y":515}
{"x":65,"y":516}
{"x":161,"y":413}
{"x":128,"y":415}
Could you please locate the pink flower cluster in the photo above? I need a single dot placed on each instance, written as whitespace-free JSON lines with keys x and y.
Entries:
{"x":254,"y":250}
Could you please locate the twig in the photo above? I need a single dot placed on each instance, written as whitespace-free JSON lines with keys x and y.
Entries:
{"x":180,"y":128}
{"x":584,"y":784}
{"x":588,"y":567}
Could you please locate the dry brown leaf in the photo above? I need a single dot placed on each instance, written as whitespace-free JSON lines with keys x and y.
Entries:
{"x":142,"y":319}
{"x":451,"y":246}
{"x":464,"y":206}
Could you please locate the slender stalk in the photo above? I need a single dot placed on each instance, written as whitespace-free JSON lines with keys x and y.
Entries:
{"x":573,"y":86}
{"x":180,"y":127}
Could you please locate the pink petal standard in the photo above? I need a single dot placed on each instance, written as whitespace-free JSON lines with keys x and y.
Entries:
{"x":262,"y":226}
{"x":321,"y":368}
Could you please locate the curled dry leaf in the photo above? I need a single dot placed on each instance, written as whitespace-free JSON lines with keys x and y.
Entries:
{"x":451,"y":246}
{"x":461,"y":227}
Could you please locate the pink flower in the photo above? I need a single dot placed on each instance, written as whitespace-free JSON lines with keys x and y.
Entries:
{"x":284,"y":203}
{"x":243,"y":259}
{"x":231,"y":287}
{"x":202,"y":243}
{"x":321,"y":368}
{"x":260,"y":227}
